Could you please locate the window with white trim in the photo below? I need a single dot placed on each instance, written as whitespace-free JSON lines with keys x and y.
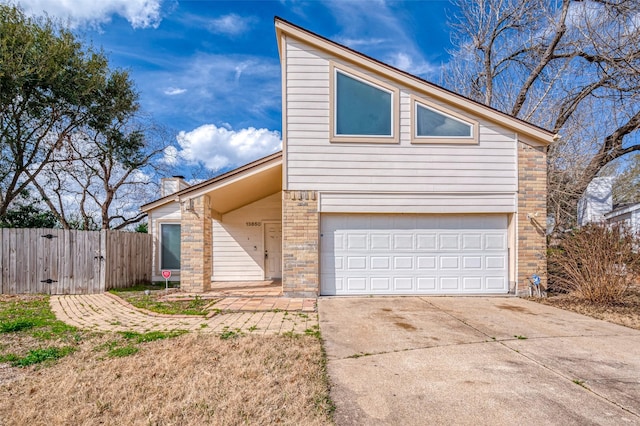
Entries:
{"x":431,"y":123}
{"x":362,"y":108}
{"x":170,"y":246}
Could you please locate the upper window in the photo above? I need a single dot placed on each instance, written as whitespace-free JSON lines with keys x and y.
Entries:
{"x":169,"y":246}
{"x":363,"y":111}
{"x":433,"y":125}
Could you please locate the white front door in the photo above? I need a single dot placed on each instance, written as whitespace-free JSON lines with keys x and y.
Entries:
{"x":413,"y":254}
{"x":272,"y":250}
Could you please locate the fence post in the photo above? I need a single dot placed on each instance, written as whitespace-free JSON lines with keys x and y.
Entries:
{"x":103,"y":260}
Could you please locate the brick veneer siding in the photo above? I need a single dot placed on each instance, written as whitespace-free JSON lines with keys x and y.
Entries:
{"x":532,"y":201}
{"x":196,"y":245}
{"x":300,"y":243}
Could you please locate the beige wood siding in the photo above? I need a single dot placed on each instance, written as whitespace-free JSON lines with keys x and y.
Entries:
{"x":331,"y":202}
{"x":168,"y":213}
{"x":238,"y":244}
{"x":447,"y":170}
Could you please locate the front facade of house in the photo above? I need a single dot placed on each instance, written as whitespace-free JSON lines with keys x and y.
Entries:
{"x":386,"y":184}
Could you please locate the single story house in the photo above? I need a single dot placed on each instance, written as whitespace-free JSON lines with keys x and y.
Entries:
{"x":386,"y":184}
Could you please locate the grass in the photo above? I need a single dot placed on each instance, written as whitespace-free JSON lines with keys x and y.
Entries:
{"x":152,"y":301}
{"x":30,"y":334}
{"x":192,"y":379}
{"x":626,"y":312}
{"x":156,"y":377}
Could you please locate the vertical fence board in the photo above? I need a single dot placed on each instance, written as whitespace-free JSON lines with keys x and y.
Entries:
{"x":79,"y":261}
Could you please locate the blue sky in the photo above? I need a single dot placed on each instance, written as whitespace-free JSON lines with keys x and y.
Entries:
{"x":209,"y":70}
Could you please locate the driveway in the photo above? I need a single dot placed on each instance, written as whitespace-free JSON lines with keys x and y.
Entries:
{"x":477,"y":360}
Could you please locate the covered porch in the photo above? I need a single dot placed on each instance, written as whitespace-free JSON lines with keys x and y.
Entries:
{"x":231,"y":232}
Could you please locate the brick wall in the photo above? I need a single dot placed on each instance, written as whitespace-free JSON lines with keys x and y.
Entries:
{"x":532,"y":215}
{"x":196,"y":245}
{"x":300,"y":243}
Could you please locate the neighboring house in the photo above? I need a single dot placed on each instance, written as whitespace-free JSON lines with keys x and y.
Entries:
{"x":596,"y":205}
{"x":387,"y":184}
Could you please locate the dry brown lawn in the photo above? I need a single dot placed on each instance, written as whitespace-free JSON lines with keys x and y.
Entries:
{"x":626,"y":313}
{"x":193,"y":379}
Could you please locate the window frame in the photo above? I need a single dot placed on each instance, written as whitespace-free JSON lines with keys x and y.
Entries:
{"x":160,"y":237}
{"x":463,"y":140}
{"x":366,"y":79}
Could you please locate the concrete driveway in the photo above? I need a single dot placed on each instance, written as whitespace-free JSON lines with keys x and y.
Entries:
{"x":484,"y":360}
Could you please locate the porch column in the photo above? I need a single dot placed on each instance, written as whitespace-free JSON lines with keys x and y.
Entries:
{"x":196,"y":245}
{"x":300,"y":244}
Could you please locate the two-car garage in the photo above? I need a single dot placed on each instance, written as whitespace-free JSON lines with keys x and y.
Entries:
{"x":363,"y":254}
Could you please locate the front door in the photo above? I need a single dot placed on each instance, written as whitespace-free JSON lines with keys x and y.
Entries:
{"x":272,"y":250}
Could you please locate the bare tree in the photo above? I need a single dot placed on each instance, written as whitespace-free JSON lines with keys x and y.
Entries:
{"x":570,"y":66}
{"x":100,"y":181}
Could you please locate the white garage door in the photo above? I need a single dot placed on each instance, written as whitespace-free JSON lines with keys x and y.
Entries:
{"x":413,"y":254}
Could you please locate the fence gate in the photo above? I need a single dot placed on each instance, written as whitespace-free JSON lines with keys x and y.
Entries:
{"x":59,"y":261}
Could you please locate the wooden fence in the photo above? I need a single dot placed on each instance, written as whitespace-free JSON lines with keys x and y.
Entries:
{"x":60,"y":261}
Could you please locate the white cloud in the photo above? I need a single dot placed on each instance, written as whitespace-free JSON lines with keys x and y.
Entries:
{"x":139,"y":13}
{"x":170,"y":156}
{"x":241,"y":89}
{"x":220,"y":148}
{"x":358,"y":43}
{"x":232,"y":24}
{"x":172,"y":91}
{"x":406,"y":63}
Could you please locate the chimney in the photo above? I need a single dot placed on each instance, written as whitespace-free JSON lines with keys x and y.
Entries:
{"x":596,"y":201}
{"x":172,"y":185}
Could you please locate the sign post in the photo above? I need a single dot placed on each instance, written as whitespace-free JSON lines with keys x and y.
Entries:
{"x":166,"y":274}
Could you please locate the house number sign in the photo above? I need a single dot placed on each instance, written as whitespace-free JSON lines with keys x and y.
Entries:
{"x":253,"y":223}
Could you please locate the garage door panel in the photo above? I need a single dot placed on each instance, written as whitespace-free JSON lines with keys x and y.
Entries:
{"x":495,"y":242}
{"x":381,"y":284}
{"x":356,"y":283}
{"x":495,"y":262}
{"x":403,"y":263}
{"x":495,"y":283}
{"x":449,"y":262}
{"x":357,"y":242}
{"x":426,"y":283}
{"x":380,"y":242}
{"x":403,"y":242}
{"x":472,"y":262}
{"x":450,"y":283}
{"x":472,"y":242}
{"x":413,"y":254}
{"x":403,"y":284}
{"x":427,"y":262}
{"x":381,"y":263}
{"x":472,"y":283}
{"x":449,"y":242}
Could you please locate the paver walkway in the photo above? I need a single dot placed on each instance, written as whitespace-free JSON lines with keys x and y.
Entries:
{"x":105,"y":312}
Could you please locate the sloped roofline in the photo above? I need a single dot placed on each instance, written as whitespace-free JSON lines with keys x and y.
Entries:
{"x":218,"y":179}
{"x":289,"y":29}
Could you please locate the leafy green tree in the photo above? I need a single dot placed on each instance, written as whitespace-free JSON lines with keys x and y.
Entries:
{"x":51,"y":86}
{"x":28,"y":216}
{"x":26,"y":212}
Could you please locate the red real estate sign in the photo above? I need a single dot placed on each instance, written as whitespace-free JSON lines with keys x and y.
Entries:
{"x":166,"y":274}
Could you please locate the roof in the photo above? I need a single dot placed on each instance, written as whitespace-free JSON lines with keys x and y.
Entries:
{"x":622,"y":210}
{"x":207,"y":185}
{"x":289,"y":29}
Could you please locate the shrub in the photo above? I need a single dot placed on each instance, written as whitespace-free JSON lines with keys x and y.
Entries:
{"x":595,"y":262}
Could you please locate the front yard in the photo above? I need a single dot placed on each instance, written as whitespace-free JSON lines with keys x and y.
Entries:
{"x":626,"y":312}
{"x":56,"y":374}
